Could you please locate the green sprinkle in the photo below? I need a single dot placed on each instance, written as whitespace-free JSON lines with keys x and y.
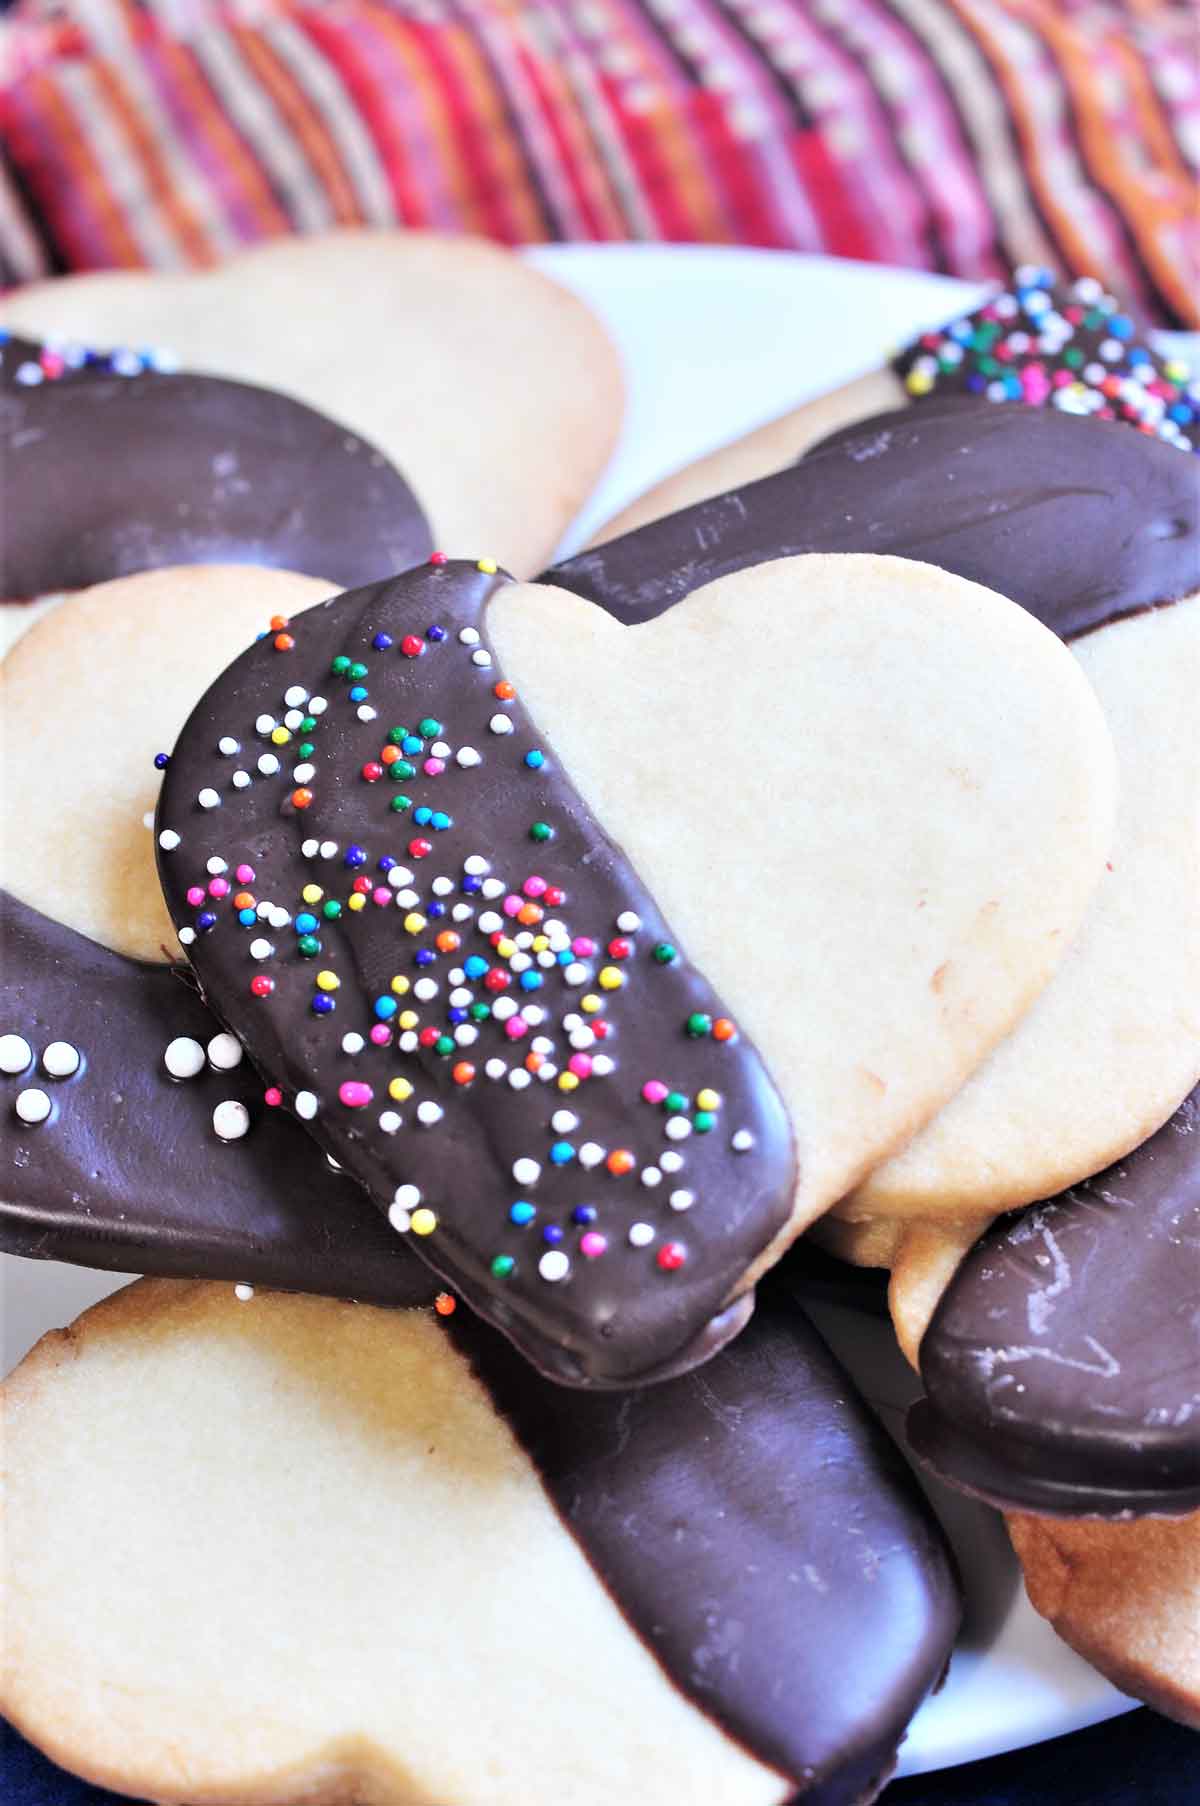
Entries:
{"x":703,"y":1121}
{"x":357,"y":670}
{"x":397,"y":734}
{"x":479,"y":1012}
{"x":308,"y":945}
{"x":444,"y":1044}
{"x":308,"y":725}
{"x":429,"y":727}
{"x":664,"y":954}
{"x":502,"y":1266}
{"x":331,"y":910}
{"x":1073,"y":358}
{"x":675,"y":1103}
{"x":305,"y":750}
{"x":401,"y":768}
{"x":340,"y":665}
{"x":541,"y":831}
{"x":698,"y":1024}
{"x":400,"y":804}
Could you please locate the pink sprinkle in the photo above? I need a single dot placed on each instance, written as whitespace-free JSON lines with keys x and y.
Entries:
{"x":354,"y":1094}
{"x":515,"y":1027}
{"x":195,"y":895}
{"x":1063,"y":378}
{"x":582,"y":947}
{"x":512,"y":904}
{"x":381,"y":1034}
{"x":654,"y":1091}
{"x":245,"y":874}
{"x":219,"y":887}
{"x":381,"y":896}
{"x":535,"y":886}
{"x":581,"y":1065}
{"x":273,"y":1096}
{"x":433,"y":767}
{"x":593,"y":1244}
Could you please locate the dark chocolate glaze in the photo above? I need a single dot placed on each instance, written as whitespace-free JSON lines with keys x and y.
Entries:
{"x":1077,"y":520}
{"x":103,"y":475}
{"x":761,"y":1534}
{"x":128,"y":1173}
{"x":1062,"y":1365}
{"x":619,"y":1316}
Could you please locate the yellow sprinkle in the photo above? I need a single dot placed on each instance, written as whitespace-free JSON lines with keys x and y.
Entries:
{"x":400,"y":1089}
{"x":506,"y":948}
{"x":708,"y":1099}
{"x":487,"y":566}
{"x":611,"y":978}
{"x":591,"y":1003}
{"x":918,"y":382}
{"x":413,"y":922}
{"x":357,"y":901}
{"x":424,"y":1221}
{"x":312,"y":893}
{"x":400,"y":984}
{"x":328,"y":981}
{"x":568,"y":1081}
{"x":279,"y":736}
{"x":540,"y":943}
{"x":408,"y":1019}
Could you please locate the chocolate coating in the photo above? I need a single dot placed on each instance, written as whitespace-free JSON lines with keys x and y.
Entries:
{"x":128,"y":1173}
{"x":104,"y":475}
{"x":1062,"y":1365}
{"x":618,"y":1311}
{"x":1078,"y":521}
{"x":763,"y":1537}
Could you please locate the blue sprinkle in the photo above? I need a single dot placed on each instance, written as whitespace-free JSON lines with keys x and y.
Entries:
{"x":354,"y":855}
{"x":422,"y":816}
{"x":247,"y":917}
{"x":552,"y":1234}
{"x":583,"y":1214}
{"x":206,"y":921}
{"x":440,"y":821}
{"x":535,"y":759}
{"x":435,"y":911}
{"x":385,"y":1008}
{"x":562,"y":1153}
{"x":304,"y":924}
{"x":424,"y":956}
{"x":531,"y":981}
{"x":322,"y":1005}
{"x":475,"y":967}
{"x":382,"y":641}
{"x":358,"y":692}
{"x":161,"y":761}
{"x":521,"y":1213}
{"x":412,"y":743}
{"x":1120,"y":326}
{"x":471,"y":885}
{"x":435,"y":633}
{"x":456,"y":1015}
{"x":386,"y":863}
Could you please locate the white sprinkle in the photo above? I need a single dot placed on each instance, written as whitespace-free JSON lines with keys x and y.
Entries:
{"x":541,"y":1044}
{"x":263,"y":910}
{"x":278,"y":916}
{"x":640,"y":1235}
{"x":554,"y":1265}
{"x":602,"y":1066}
{"x":268,"y":764}
{"x":243,"y":1293}
{"x":629,"y":921}
{"x":333,"y":1165}
{"x":576,"y":973}
{"x":328,"y":849}
{"x":441,"y":887}
{"x":399,"y":1218}
{"x":466,"y":1034}
{"x":519,"y":962}
{"x":186,"y":936}
{"x":563,"y":1121}
{"x":15,"y":1054}
{"x":742,"y":1141}
{"x":525,"y":939}
{"x":547,"y":1071}
{"x":503,"y":1008}
{"x":317,"y":705}
{"x":265,"y":724}
{"x":224,"y":1052}
{"x":292,"y":719}
{"x":408,"y":1042}
{"x":582,"y":1038}
{"x":33,"y":1106}
{"x":240,"y":780}
{"x":460,"y":996}
{"x":500,"y":724}
{"x":406,"y":1197}
{"x":440,"y":749}
{"x":365,"y":712}
{"x":545,"y":960}
{"x":682,"y":1200}
{"x":390,"y":1121}
{"x":429,"y":1113}
{"x":651,"y":1176}
{"x":352,"y":1043}
{"x":183,"y":1058}
{"x":302,"y":773}
{"x":493,"y":887}
{"x":489,"y":921}
{"x":678,"y":1128}
{"x":482,"y":657}
{"x":467,"y":756}
{"x":261,"y":948}
{"x":408,"y":899}
{"x":468,"y":636}
{"x":216,"y":865}
{"x":476,"y":865}
{"x":231,"y":1120}
{"x":526,"y":1171}
{"x":398,"y":876}
{"x":425,"y":988}
{"x":168,"y":840}
{"x":295,"y":695}
{"x":306,"y":1105}
{"x":495,"y":1069}
{"x":591,"y":1154}
{"x":670,"y":1161}
{"x":60,"y":1060}
{"x":310,"y":848}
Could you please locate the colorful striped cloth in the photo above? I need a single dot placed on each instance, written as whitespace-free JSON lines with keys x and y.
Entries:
{"x":958,"y":135}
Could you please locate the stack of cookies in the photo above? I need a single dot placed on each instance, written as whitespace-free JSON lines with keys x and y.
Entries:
{"x":472,"y":995}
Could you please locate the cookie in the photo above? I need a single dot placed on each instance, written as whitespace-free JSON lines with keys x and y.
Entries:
{"x":1062,"y":1364}
{"x":116,"y":669}
{"x":1042,"y":343}
{"x":450,"y":1605}
{"x":1126,"y":1596}
{"x":111,"y":465}
{"x":905,"y":972}
{"x":494,"y":390}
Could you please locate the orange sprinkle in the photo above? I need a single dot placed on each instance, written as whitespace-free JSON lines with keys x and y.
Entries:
{"x":620,"y":1161}
{"x":445,"y":1305}
{"x":284,"y":642}
{"x":448,"y":940}
{"x":529,"y":914}
{"x":389,"y":755}
{"x":464,"y":1072}
{"x":243,"y":900}
{"x":504,"y":690}
{"x":301,"y":798}
{"x":278,"y":623}
{"x":723,"y":1029}
{"x":534,"y":1062}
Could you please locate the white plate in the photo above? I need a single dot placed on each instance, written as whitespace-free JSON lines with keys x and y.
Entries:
{"x":715,"y":342}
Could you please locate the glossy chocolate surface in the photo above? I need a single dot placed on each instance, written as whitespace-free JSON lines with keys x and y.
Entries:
{"x":1077,"y":520}
{"x":1062,"y":1365}
{"x":601,"y":1228}
{"x":761,"y":1534}
{"x":103,"y":474}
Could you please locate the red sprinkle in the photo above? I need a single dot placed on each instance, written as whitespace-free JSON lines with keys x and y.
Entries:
{"x":412,"y":646}
{"x":671,"y":1256}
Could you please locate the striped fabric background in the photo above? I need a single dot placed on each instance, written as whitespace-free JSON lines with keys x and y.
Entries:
{"x":959,"y":135}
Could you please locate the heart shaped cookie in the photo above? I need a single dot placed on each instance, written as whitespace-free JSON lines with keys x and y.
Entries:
{"x":516,"y":1053}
